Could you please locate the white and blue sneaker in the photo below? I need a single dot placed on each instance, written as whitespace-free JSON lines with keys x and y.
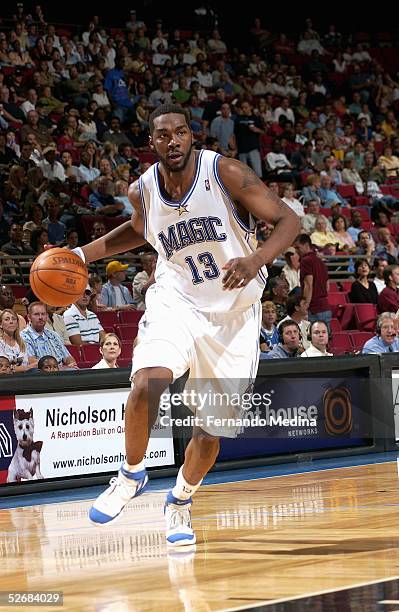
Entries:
{"x":179,"y":531}
{"x":109,"y":505}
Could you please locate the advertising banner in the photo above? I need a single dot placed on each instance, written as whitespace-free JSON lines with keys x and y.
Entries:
{"x":303,"y":414}
{"x":395,"y":394}
{"x":57,"y":435}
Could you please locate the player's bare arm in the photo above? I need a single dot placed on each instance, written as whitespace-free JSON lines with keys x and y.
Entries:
{"x":250,"y":194}
{"x":125,"y":237}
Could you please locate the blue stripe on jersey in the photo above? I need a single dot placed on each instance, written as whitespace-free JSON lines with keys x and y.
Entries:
{"x":241,"y":223}
{"x":185,"y":199}
{"x":143,"y":207}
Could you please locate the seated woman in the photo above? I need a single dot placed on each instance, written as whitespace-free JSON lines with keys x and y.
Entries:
{"x":342,"y":238}
{"x":363,"y":290}
{"x":110,"y":349}
{"x":11,"y":344}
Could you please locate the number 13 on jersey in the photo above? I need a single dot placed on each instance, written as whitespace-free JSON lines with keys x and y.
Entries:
{"x":208,"y":264}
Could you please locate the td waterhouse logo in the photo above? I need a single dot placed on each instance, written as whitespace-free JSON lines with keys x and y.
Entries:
{"x":338,"y":417}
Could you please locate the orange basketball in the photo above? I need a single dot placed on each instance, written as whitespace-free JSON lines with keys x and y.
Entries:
{"x":58,"y":277}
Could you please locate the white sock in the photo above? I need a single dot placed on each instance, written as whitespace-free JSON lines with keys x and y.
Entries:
{"x":183,"y":489}
{"x":131,"y":468}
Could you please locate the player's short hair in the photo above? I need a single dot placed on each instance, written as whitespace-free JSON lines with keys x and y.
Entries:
{"x":166,"y":109}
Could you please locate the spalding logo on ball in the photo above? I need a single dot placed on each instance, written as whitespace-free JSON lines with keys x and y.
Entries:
{"x":58,"y":277}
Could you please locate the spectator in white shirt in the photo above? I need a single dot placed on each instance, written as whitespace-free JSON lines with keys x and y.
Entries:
{"x":319,"y":337}
{"x":285,"y":110}
{"x":291,"y":201}
{"x":51,"y":168}
{"x":82,"y":325}
{"x":30,"y":102}
{"x":110,"y":349}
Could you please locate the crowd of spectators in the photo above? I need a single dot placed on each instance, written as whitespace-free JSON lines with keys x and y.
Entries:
{"x":314,"y":115}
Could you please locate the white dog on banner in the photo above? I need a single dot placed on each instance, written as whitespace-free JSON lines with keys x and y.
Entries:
{"x":25,"y":464}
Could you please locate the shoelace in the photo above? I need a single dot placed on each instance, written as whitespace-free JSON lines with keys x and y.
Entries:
{"x":179,"y":517}
{"x":127,"y":490}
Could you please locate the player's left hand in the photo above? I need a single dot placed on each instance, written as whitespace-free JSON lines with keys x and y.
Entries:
{"x":240,"y":271}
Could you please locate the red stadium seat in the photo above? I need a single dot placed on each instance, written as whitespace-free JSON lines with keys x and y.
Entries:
{"x":75,"y":352}
{"x":127,"y":351}
{"x":130,"y":317}
{"x":336,"y":300}
{"x":340,"y":343}
{"x":359,"y":338}
{"x":335,"y":326}
{"x":346,"y":286}
{"x":87,"y":364}
{"x":347,"y":191}
{"x":346,"y":316}
{"x":127,"y":333}
{"x":91,"y":352}
{"x":19,"y":291}
{"x":365,"y":316}
{"x":334,"y":287}
{"x":109,"y":319}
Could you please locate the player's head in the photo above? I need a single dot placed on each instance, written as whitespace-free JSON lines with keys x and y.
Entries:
{"x":171,"y":137}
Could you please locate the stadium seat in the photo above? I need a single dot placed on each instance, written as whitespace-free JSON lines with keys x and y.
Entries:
{"x":91,"y":352}
{"x":130,"y":317}
{"x":87,"y":364}
{"x":346,"y":315}
{"x":109,"y":319}
{"x":334,"y":287}
{"x":335,"y":326}
{"x":341,"y":343}
{"x":124,"y":363}
{"x":347,"y":191}
{"x":359,"y":338}
{"x":127,"y":351}
{"x":127,"y":333}
{"x":19,"y":291}
{"x":346,"y":286}
{"x":336,"y":300}
{"x":365,"y":316}
{"x":75,"y":352}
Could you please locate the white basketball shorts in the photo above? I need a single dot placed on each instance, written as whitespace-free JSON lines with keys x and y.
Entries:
{"x":221,"y":350}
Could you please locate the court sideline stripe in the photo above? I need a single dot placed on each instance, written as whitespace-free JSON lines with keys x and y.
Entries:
{"x":311,"y":594}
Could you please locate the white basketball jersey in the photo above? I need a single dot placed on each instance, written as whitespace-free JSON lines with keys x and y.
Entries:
{"x":196,"y":237}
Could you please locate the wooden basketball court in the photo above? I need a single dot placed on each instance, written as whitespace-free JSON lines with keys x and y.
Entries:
{"x":259,"y":541}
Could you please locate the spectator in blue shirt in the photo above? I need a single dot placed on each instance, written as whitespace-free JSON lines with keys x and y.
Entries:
{"x":385,"y":340}
{"x":103,"y":201}
{"x":55,"y":228}
{"x":40,"y":341}
{"x":117,"y":90}
{"x":290,"y":342}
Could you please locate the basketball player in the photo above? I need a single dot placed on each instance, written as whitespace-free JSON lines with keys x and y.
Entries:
{"x":197,"y":209}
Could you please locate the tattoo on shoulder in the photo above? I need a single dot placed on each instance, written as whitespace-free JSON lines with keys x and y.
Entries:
{"x":249,"y":178}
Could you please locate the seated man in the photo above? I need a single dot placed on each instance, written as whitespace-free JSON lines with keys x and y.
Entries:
{"x":297,"y":311}
{"x":290,"y":342}
{"x":143,"y":280}
{"x":385,"y":340}
{"x":114,"y":294}
{"x":319,"y":336}
{"x":388,"y":299}
{"x":41,"y":341}
{"x":82,"y":325}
